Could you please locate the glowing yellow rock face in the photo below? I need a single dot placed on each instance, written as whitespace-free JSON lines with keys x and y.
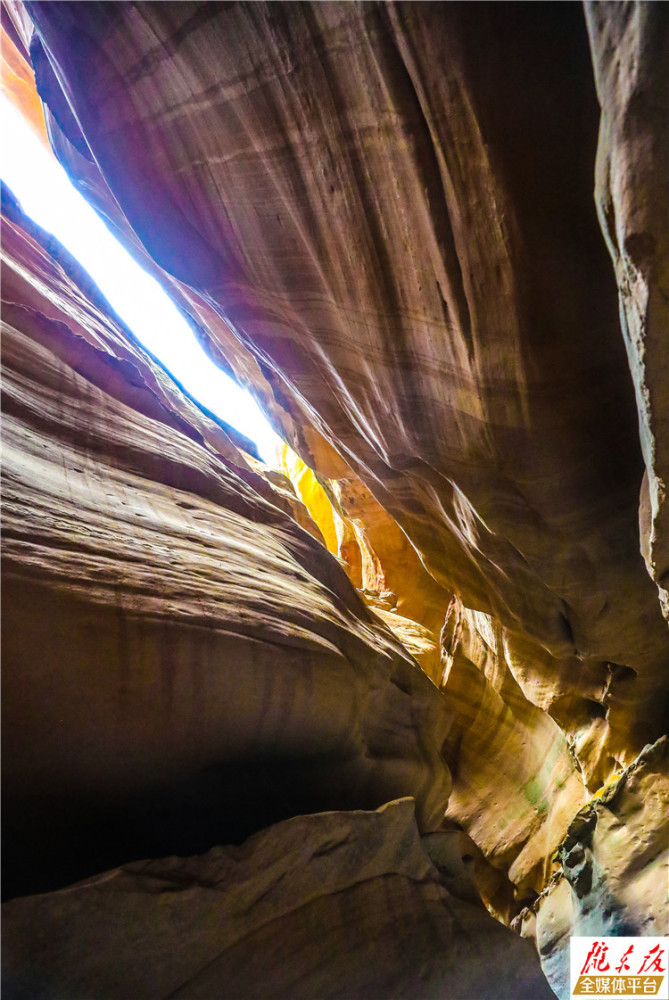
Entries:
{"x":312,"y":495}
{"x":380,"y":560}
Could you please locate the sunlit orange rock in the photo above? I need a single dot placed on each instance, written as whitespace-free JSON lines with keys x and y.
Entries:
{"x":312,"y":495}
{"x":18,"y":85}
{"x":378,"y":556}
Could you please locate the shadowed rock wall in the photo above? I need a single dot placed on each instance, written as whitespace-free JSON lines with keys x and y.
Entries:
{"x":390,"y":205}
{"x":182,"y":663}
{"x":240,"y":923}
{"x":630,"y":51}
{"x":381,"y":219}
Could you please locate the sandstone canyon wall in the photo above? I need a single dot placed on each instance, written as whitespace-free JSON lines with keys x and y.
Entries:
{"x":183,"y":665}
{"x":188,"y":630}
{"x":380,"y":218}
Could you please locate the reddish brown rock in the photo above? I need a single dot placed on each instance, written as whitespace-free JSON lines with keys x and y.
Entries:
{"x":330,"y":905}
{"x":182,"y":664}
{"x":630,"y":52}
{"x":380,"y":216}
{"x":402,"y":235}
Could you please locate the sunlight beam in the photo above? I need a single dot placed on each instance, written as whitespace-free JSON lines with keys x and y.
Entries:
{"x":47,"y":195}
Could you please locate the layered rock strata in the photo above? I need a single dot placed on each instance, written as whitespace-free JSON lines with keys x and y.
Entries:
{"x":380,"y":218}
{"x":240,"y":922}
{"x":402,"y":235}
{"x":182,"y":663}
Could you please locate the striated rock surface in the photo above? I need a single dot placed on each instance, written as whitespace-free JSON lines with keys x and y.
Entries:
{"x":240,"y":922}
{"x":614,"y":868}
{"x":182,"y":663}
{"x":379,"y":558}
{"x":402,"y":235}
{"x":630,"y":51}
{"x":380,"y":218}
{"x":516,"y":785}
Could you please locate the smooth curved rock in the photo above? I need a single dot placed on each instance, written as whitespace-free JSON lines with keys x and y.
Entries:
{"x":331,"y":905}
{"x":402,"y":235}
{"x":630,"y":52}
{"x":516,"y":785}
{"x":380,"y":217}
{"x":182,"y":664}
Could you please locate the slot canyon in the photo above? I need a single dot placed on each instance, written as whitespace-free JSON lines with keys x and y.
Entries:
{"x":385,"y":718}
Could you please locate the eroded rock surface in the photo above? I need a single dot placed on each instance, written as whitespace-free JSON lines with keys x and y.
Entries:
{"x":630,"y":51}
{"x":378,"y":557}
{"x":314,"y":907}
{"x":614,"y":868}
{"x":402,"y":235}
{"x":380,"y":218}
{"x":516,"y":783}
{"x":182,"y":664}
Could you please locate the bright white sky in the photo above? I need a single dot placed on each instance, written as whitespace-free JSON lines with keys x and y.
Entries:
{"x":47,"y":196}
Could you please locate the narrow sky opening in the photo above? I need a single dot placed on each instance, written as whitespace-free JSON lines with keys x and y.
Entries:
{"x":46,"y":194}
